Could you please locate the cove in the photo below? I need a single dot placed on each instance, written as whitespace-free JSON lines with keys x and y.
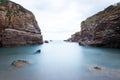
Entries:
{"x":60,"y":60}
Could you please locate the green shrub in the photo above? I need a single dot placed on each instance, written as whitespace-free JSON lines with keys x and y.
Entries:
{"x":86,"y":22}
{"x":8,"y":12}
{"x":4,"y":2}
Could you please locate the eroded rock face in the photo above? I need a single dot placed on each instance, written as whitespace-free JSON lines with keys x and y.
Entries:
{"x":18,"y":26}
{"x":101,"y":29}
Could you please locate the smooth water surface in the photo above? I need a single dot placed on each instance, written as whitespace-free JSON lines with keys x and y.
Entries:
{"x":60,"y":60}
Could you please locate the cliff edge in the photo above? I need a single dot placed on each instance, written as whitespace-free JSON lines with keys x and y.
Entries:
{"x":101,"y":29}
{"x":18,"y":26}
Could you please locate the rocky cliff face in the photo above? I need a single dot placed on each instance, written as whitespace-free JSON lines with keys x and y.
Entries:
{"x":101,"y":29}
{"x":18,"y":26}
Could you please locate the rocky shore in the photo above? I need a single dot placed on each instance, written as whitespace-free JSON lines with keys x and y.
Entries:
{"x":101,"y":29}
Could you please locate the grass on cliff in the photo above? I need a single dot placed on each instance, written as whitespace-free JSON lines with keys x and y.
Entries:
{"x":86,"y":22}
{"x":8,"y":12}
{"x":101,"y":16}
{"x":4,"y":2}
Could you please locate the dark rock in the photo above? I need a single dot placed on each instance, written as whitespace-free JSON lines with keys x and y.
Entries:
{"x":79,"y":43}
{"x":65,"y":40}
{"x":97,"y":68}
{"x":51,"y":40}
{"x":46,"y":41}
{"x":19,"y":63}
{"x":101,"y":29}
{"x":38,"y":51}
{"x":18,"y":26}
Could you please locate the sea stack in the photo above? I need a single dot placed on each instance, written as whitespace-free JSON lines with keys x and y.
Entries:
{"x":18,"y":26}
{"x":101,"y":29}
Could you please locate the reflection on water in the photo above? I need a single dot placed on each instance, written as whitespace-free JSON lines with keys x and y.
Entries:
{"x":60,"y":60}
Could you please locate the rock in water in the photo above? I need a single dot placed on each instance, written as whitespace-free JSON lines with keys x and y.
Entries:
{"x":38,"y":52}
{"x":18,"y":26}
{"x":101,"y":29}
{"x":97,"y":68}
{"x":19,"y":63}
{"x":46,"y":41}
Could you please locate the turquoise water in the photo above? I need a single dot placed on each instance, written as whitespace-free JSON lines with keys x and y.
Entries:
{"x":60,"y":60}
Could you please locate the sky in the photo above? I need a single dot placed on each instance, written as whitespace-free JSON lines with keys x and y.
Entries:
{"x":59,"y":19}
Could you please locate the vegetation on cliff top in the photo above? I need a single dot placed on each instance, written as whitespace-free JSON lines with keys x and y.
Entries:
{"x":4,"y":2}
{"x":103,"y":15}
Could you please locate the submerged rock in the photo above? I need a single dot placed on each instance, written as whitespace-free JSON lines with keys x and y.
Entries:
{"x":38,"y":51}
{"x":101,"y":29}
{"x":97,"y":67}
{"x":18,"y":26}
{"x":19,"y":63}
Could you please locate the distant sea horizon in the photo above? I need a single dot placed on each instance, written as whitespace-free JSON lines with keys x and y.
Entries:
{"x":57,"y":36}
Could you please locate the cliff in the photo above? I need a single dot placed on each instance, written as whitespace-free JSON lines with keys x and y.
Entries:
{"x":101,"y":29}
{"x":18,"y":26}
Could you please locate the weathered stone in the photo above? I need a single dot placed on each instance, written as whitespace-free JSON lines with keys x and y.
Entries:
{"x":101,"y":29}
{"x":75,"y":37}
{"x":18,"y":26}
{"x":19,"y":63}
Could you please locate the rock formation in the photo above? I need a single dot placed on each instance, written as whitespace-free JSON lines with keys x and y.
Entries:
{"x":18,"y":26}
{"x":38,"y":51}
{"x":46,"y":41}
{"x":101,"y":29}
{"x":19,"y":63}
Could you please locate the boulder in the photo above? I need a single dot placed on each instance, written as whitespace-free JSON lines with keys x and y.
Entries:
{"x":97,"y":68}
{"x":46,"y":41}
{"x":38,"y":51}
{"x":19,"y":63}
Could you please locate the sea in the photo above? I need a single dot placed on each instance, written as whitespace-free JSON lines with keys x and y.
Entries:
{"x":60,"y":60}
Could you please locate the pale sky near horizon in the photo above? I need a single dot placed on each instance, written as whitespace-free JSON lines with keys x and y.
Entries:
{"x":58,"y":19}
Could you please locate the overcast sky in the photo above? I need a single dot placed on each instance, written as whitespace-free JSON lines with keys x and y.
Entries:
{"x":58,"y":19}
